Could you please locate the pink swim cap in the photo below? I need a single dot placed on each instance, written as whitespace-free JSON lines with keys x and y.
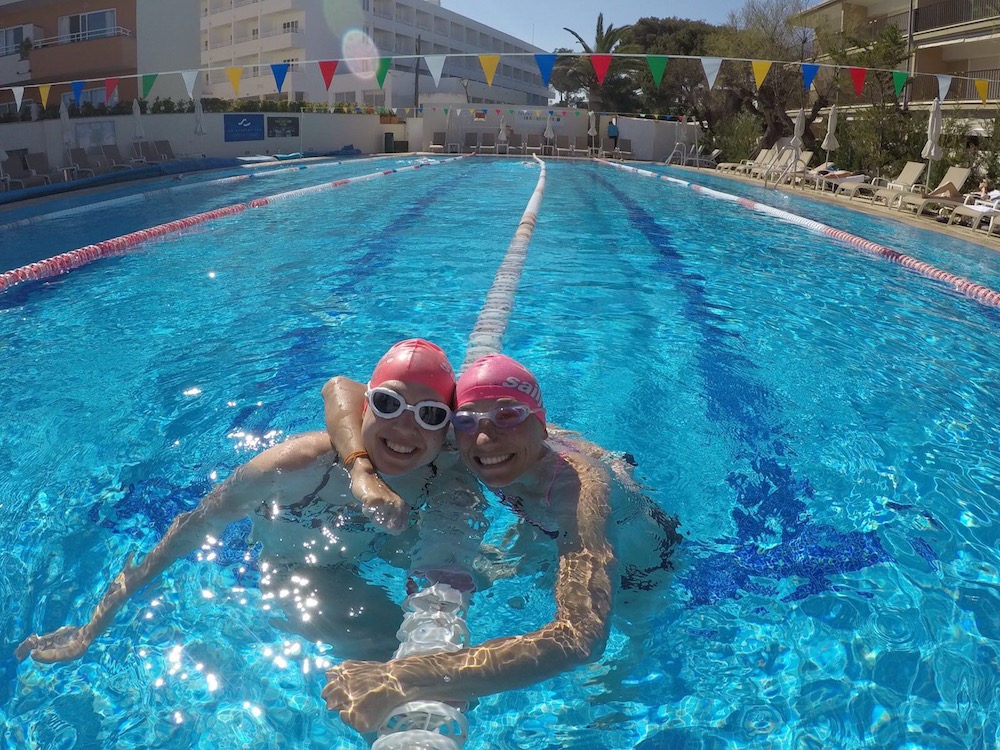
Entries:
{"x":499,"y":376}
{"x":417,"y":361}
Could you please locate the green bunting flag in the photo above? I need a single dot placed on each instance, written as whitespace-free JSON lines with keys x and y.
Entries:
{"x":657,"y":64}
{"x":147,"y":84}
{"x":899,"y":80}
{"x":383,"y":68}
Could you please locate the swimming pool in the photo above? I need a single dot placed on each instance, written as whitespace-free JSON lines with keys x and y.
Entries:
{"x":824,"y":424}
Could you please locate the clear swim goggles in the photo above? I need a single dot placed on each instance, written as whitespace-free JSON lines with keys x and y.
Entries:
{"x":504,"y":416}
{"x":387,"y":404}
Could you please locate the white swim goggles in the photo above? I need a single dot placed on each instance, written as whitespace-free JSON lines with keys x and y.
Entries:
{"x":504,"y":416}
{"x":385,"y":403}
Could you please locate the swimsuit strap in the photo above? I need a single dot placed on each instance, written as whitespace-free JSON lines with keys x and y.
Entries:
{"x":555,"y":473}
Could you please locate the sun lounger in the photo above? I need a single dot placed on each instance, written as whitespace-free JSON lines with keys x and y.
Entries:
{"x":80,"y":159}
{"x":701,"y":159}
{"x":16,"y":172}
{"x":533,"y":144}
{"x":471,"y":142}
{"x":734,"y":166}
{"x":115,"y":159}
{"x":437,"y":142}
{"x":624,"y":150}
{"x":948,"y":193}
{"x":488,"y":142}
{"x":780,"y":159}
{"x":580,"y":146}
{"x":515,"y":144}
{"x":977,"y":212}
{"x":146,"y":151}
{"x":38,"y":163}
{"x":907,"y":180}
{"x":563,"y":147}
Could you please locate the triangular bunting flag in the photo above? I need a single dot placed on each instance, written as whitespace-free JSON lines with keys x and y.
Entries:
{"x":234,"y":74}
{"x":711,"y":66}
{"x":147,"y":84}
{"x":110,"y":84}
{"x":657,"y":64}
{"x":489,"y":63}
{"x":328,"y":68}
{"x":578,"y":113}
{"x":445,"y":110}
{"x":564,"y":113}
{"x":551,"y":112}
{"x":601,"y":64}
{"x":982,"y":87}
{"x":858,"y":75}
{"x":279,"y":71}
{"x":406,"y":110}
{"x":760,"y":69}
{"x":18,"y":96}
{"x":43,"y":93}
{"x":435,"y":64}
{"x":809,"y":72}
{"x":77,"y":91}
{"x":496,"y":111}
{"x":545,"y":64}
{"x":458,"y":112}
{"x":899,"y":78}
{"x":190,"y":78}
{"x":384,"y":63}
{"x":944,"y":83}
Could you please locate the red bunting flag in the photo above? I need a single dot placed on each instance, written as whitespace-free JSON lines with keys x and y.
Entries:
{"x":859,"y":75}
{"x":110,"y":84}
{"x":328,"y":68}
{"x":601,"y":64}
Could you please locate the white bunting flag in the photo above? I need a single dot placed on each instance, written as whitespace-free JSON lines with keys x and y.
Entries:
{"x":435,"y":64}
{"x":18,"y":95}
{"x":190,"y":76}
{"x":944,"y":83}
{"x":711,"y":66}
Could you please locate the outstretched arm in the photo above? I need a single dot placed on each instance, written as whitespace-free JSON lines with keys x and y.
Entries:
{"x":233,"y":499}
{"x":343,"y":404}
{"x":365,"y":692}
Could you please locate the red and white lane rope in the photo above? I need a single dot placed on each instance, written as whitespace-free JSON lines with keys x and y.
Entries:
{"x":65,"y":262}
{"x":980,"y":293}
{"x":487,"y":335}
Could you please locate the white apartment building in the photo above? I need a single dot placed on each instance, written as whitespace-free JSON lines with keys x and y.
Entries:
{"x":254,"y":34}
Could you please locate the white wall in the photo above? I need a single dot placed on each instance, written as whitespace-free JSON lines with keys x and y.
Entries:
{"x":167,"y":38}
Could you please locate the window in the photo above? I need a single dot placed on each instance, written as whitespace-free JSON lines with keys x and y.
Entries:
{"x":345,"y":96}
{"x":10,"y":40}
{"x":292,"y":64}
{"x":290,"y":27}
{"x":375,"y":98}
{"x":94,"y":97}
{"x":101,"y":23}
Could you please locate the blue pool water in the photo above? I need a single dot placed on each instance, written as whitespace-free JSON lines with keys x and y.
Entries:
{"x":823,"y":423}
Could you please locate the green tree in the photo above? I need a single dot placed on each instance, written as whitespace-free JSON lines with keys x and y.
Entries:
{"x":566,"y":79}
{"x":618,"y":91}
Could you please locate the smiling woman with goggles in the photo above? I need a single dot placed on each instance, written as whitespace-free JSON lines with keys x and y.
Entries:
{"x":387,"y":404}
{"x":504,"y":416}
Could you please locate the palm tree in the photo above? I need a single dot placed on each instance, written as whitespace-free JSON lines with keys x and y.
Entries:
{"x":606,"y":42}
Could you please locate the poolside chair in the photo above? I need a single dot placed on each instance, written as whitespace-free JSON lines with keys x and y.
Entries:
{"x":18,"y":173}
{"x":116,"y":160}
{"x":472,"y":142}
{"x":701,"y":159}
{"x":780,"y":159}
{"x":515,"y":144}
{"x":624,"y":150}
{"x":906,"y":181}
{"x":38,"y":163}
{"x":83,"y":164}
{"x":534,"y":144}
{"x":580,"y":146}
{"x":977,"y":212}
{"x":763,"y":157}
{"x":791,"y":170}
{"x":437,"y":141}
{"x":563,"y":146}
{"x":814,"y":176}
{"x":146,"y":150}
{"x":488,"y":142}
{"x":948,"y":193}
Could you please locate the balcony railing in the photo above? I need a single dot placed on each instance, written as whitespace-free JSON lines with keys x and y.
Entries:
{"x":925,"y":87}
{"x":81,"y":36}
{"x":877,"y":25}
{"x":951,"y":12}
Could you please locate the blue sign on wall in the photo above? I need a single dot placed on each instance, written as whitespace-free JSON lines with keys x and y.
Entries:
{"x":243,"y":127}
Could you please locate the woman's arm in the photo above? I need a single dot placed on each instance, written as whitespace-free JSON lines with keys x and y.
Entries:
{"x":343,"y":406}
{"x":365,"y":692}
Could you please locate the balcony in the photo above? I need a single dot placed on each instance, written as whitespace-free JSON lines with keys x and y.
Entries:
{"x":952,"y":12}
{"x":925,"y":88}
{"x":77,"y":56}
{"x":14,"y":70}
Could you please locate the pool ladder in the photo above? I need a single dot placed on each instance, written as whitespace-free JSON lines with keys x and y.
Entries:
{"x":434,"y":623}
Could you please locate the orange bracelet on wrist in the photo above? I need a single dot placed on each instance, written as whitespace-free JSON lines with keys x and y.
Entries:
{"x":353,"y":456}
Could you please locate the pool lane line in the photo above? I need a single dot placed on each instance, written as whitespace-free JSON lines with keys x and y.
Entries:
{"x":487,"y":335}
{"x":978,"y":292}
{"x":65,"y":262}
{"x":148,"y":194}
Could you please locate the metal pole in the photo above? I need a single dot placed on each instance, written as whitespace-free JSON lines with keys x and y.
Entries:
{"x":909,"y":58}
{"x":416,"y":79}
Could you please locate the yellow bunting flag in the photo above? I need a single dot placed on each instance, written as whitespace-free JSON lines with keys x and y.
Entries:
{"x":489,"y":63}
{"x":43,"y":92}
{"x":760,"y":69}
{"x":983,"y":87}
{"x":234,"y":75}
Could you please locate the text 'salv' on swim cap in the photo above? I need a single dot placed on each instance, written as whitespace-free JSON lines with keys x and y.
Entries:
{"x":416,"y":361}
{"x":499,"y":376}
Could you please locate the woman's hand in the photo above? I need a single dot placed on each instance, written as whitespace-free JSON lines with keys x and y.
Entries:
{"x":364,"y":692}
{"x":65,"y":644}
{"x":384,"y":508}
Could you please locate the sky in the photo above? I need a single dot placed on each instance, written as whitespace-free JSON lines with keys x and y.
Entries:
{"x":541,"y":22}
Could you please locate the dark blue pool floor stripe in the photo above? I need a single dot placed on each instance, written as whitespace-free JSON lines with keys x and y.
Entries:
{"x":775,"y":538}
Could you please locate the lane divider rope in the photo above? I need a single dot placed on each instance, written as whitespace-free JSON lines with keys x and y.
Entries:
{"x":491,"y":325}
{"x":65,"y":262}
{"x":978,"y":292}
